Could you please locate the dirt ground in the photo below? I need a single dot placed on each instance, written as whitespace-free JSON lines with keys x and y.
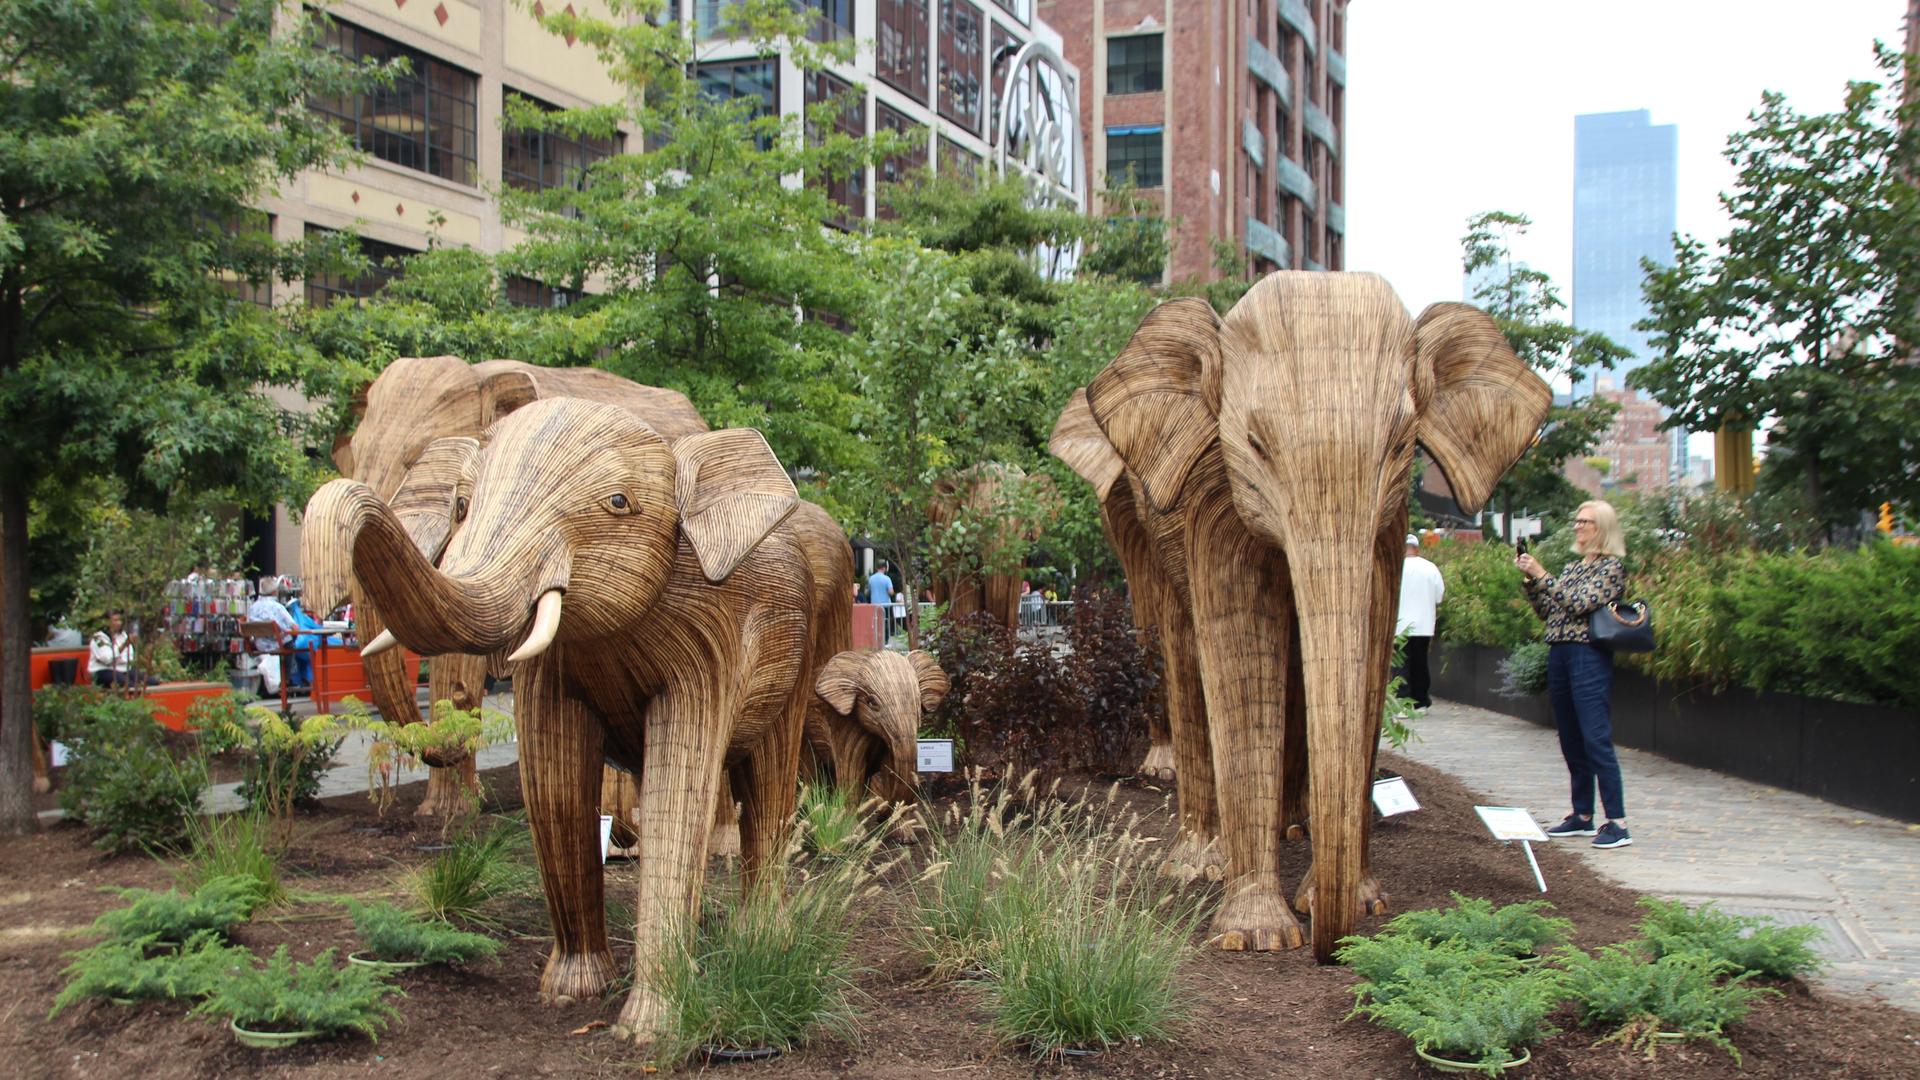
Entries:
{"x":1254,"y":1016}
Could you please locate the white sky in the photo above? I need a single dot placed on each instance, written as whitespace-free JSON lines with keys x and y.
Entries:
{"x":1455,"y":108}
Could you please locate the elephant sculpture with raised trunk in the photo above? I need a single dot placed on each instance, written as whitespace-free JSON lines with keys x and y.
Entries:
{"x":1253,"y":474}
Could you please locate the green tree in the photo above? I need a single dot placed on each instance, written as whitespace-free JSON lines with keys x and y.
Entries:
{"x":1805,"y":314}
{"x":131,"y":131}
{"x":1524,"y":303}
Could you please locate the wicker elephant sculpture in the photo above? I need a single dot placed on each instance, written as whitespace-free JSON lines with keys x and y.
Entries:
{"x":1264,"y":460}
{"x":878,"y":697}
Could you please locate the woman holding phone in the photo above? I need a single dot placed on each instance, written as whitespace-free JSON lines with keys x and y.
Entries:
{"x":1580,"y":676}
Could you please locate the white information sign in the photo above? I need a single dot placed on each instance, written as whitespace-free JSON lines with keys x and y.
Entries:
{"x":1515,"y":823}
{"x":936,"y":755}
{"x":1392,"y":796}
{"x":606,"y":836}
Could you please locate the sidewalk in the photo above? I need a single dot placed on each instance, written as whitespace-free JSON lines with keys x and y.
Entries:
{"x":1699,"y":835}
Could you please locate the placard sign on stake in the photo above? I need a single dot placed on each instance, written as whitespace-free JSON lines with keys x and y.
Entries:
{"x":936,"y":755}
{"x":606,"y":836}
{"x":1515,"y":823}
{"x":1392,"y":796}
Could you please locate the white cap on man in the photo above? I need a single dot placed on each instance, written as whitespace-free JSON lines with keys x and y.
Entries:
{"x":1412,"y":540}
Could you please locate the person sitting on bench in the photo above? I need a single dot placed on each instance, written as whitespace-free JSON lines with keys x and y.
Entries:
{"x":110,"y":656}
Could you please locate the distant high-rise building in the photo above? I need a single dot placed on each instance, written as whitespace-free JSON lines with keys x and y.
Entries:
{"x":1230,"y":115}
{"x":1625,"y":182}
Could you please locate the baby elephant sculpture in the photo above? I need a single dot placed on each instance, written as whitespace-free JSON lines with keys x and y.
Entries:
{"x":877,"y":697}
{"x":657,"y":604}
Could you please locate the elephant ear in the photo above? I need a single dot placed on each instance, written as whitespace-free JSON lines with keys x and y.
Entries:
{"x":1078,"y":441}
{"x":1153,"y":401}
{"x":1487,"y":405}
{"x":840,"y":680}
{"x":933,"y":681}
{"x":426,"y":501}
{"x":343,"y":442}
{"x":505,"y":385}
{"x":731,"y":492}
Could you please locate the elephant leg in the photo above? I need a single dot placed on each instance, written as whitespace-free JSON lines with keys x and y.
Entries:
{"x":560,"y":763}
{"x":1002,"y":598}
{"x":620,"y":800}
{"x":453,"y":785}
{"x":1293,"y":751}
{"x":686,"y":737}
{"x":1145,"y":587}
{"x":771,"y":793}
{"x":724,"y":838}
{"x":42,"y":779}
{"x":1198,"y":851}
{"x":1242,"y":622}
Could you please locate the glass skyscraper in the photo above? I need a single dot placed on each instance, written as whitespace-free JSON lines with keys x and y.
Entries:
{"x":1625,"y":178}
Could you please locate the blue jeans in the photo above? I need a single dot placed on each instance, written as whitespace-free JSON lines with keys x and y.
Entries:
{"x":1580,"y":685}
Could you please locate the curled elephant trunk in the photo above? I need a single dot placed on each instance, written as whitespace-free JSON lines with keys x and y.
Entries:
{"x":428,"y":611}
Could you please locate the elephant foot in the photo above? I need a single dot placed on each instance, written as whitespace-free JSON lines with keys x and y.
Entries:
{"x":1158,"y":764}
{"x":572,"y":977}
{"x":1256,"y":921}
{"x":1195,"y":859}
{"x":450,"y":792}
{"x":643,"y":1017}
{"x":724,"y":840}
{"x":1369,"y":899}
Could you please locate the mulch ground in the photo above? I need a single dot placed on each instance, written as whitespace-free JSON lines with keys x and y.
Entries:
{"x":1254,"y":1016}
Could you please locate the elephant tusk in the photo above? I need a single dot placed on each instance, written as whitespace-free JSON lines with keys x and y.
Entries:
{"x":378,"y":645}
{"x":546,"y":623}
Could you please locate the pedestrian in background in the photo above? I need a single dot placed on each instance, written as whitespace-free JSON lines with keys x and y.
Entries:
{"x":879,"y":585}
{"x":1580,"y":676}
{"x":1421,"y":590}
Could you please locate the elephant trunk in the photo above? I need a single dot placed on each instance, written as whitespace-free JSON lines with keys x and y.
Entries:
{"x":430,"y":612}
{"x":1342,"y":721}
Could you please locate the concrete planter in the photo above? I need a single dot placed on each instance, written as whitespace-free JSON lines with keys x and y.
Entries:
{"x":1863,"y":756}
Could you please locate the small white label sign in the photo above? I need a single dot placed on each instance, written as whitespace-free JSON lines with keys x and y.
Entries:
{"x":936,"y":755}
{"x":1510,"y":823}
{"x":606,"y":835}
{"x":1392,"y":796}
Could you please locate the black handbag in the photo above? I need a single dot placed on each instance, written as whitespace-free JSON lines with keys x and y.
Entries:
{"x":1621,"y":627}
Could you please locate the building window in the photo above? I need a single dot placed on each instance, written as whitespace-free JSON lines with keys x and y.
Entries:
{"x":900,"y":48}
{"x":849,"y":191}
{"x":832,"y":19}
{"x":897,"y":168}
{"x":424,"y":121}
{"x":384,"y":265}
{"x":958,"y":162}
{"x":1135,"y":150}
{"x":527,"y":292}
{"x":999,"y":61}
{"x":1334,"y":261}
{"x":758,"y":80}
{"x":538,"y":160}
{"x":1019,"y":9}
{"x":1309,"y":235}
{"x":1133,"y":64}
{"x":961,"y":62}
{"x":253,"y":229}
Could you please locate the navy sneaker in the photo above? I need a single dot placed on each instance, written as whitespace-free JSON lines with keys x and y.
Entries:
{"x":1575,"y":825}
{"x":1611,"y":835}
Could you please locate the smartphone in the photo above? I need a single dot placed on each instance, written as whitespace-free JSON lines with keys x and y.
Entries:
{"x":1520,"y":546}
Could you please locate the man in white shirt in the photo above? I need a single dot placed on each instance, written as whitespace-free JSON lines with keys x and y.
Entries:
{"x":1421,"y":589}
{"x":110,"y":655}
{"x":267,"y":608}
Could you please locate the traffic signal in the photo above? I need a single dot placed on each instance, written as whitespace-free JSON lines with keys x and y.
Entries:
{"x":1886,"y":517}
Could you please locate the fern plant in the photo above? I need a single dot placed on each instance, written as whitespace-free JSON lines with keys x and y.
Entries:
{"x":1681,"y":993}
{"x":1389,"y":964}
{"x":134,"y":970}
{"x":395,"y":935}
{"x":281,"y":995}
{"x":1470,"y":1016}
{"x":171,"y":918}
{"x":1746,"y":943}
{"x":1517,"y":929}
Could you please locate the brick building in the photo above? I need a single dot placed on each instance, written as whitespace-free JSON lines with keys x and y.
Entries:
{"x":1637,"y":452}
{"x":1230,"y":114}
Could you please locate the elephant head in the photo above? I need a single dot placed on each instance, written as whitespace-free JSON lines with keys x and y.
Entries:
{"x":571,"y":503}
{"x":1315,"y":389}
{"x":882,"y":696}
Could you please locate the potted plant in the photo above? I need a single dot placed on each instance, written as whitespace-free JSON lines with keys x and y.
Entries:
{"x":1676,"y":997}
{"x":1519,"y":930}
{"x":280,"y":1002}
{"x":1468,"y":1021}
{"x":397,"y":940}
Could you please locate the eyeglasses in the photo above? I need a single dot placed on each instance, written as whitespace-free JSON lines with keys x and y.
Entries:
{"x":1583,"y":521}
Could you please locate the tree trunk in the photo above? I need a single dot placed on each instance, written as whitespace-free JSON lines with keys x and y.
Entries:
{"x":16,"y":717}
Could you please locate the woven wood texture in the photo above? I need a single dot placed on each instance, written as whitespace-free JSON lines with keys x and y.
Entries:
{"x":1267,"y":456}
{"x":681,"y":653}
{"x":981,"y":489}
{"x":879,"y":697}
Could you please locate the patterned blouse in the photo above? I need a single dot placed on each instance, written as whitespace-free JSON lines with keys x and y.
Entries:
{"x":1564,"y":602}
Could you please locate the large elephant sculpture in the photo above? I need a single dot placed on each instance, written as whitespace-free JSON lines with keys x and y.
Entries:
{"x":415,"y":402}
{"x":879,"y":697}
{"x":985,"y":490}
{"x":1267,"y":457}
{"x":657,"y":603}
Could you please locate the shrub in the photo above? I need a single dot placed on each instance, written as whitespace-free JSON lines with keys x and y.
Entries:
{"x":1523,"y":672}
{"x":136,"y":970}
{"x":1485,"y":604}
{"x":451,"y":735}
{"x":476,"y":869}
{"x":392,"y":934}
{"x":1117,"y":670}
{"x":1388,"y":964}
{"x":57,"y":708}
{"x":1515,"y":930}
{"x":281,"y":995}
{"x":1680,"y":993}
{"x":830,"y":823}
{"x":1464,"y":1015}
{"x":218,"y":906}
{"x":125,"y":781}
{"x":287,"y":761}
{"x":232,"y":845}
{"x":1745,"y":943}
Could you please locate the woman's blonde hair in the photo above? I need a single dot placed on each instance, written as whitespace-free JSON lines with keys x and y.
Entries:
{"x":1606,"y":538}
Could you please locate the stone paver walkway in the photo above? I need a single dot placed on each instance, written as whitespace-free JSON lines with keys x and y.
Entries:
{"x":1699,"y":835}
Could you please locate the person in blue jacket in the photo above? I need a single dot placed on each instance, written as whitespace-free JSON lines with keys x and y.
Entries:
{"x":306,"y":643}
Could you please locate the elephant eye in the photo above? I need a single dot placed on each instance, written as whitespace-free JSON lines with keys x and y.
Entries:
{"x":619,"y":503}
{"x":460,"y":509}
{"x":1257,"y":447}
